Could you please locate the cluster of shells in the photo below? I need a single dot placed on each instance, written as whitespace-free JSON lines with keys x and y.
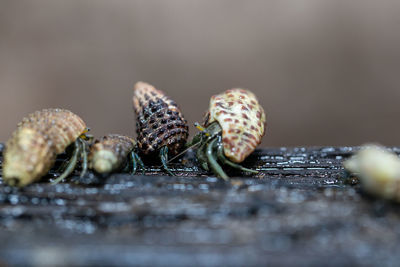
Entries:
{"x":235,"y":119}
{"x":233,"y":127}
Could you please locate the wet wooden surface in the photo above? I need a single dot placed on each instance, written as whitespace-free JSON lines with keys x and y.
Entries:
{"x":297,"y":211}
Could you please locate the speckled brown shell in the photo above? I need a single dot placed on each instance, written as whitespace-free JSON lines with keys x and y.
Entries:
{"x":109,"y":153}
{"x":242,"y":120}
{"x":159,"y":120}
{"x":33,"y":147}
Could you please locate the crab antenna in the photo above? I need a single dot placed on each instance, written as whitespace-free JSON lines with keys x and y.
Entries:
{"x":184,"y":151}
{"x":201,"y":129}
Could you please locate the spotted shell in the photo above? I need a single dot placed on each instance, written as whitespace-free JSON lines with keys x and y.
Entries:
{"x":109,"y":153}
{"x":242,"y":120}
{"x":33,"y":147}
{"x":159,"y":120}
{"x":378,"y":170}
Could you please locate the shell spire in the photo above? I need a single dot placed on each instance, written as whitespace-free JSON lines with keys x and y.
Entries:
{"x":159,"y":121}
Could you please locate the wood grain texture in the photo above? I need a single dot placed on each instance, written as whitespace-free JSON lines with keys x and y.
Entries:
{"x":297,"y":211}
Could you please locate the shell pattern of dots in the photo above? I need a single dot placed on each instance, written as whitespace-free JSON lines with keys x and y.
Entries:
{"x":242,"y":120}
{"x":109,"y":153}
{"x":33,"y":147}
{"x":159,"y":121}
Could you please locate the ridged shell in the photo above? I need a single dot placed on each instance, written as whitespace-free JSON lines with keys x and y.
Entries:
{"x":33,"y":147}
{"x":242,"y":120}
{"x":109,"y":153}
{"x":159,"y":121}
{"x":378,"y":170}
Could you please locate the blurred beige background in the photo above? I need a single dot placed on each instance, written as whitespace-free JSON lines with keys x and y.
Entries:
{"x":326,"y":72}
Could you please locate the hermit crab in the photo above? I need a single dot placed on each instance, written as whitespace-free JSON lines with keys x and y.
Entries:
{"x":233,"y":127}
{"x":160,"y":126}
{"x":111,"y":153}
{"x":40,"y":137}
{"x":378,"y":170}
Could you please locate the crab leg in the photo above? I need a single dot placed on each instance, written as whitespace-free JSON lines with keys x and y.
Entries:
{"x":128,"y":165}
{"x":63,"y":165}
{"x":139,"y":160}
{"x":202,"y":157}
{"x":84,"y":157}
{"x":224,"y":160}
{"x":71,"y":165}
{"x":164,"y":159}
{"x":132,"y":158}
{"x":212,"y":161}
{"x":135,"y":160}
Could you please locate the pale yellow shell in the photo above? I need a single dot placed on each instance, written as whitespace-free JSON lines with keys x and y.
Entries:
{"x":242,"y":120}
{"x":33,"y":147}
{"x":109,"y":153}
{"x":378,"y":170}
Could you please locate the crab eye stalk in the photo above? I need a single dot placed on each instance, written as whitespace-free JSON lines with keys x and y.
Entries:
{"x":234,"y":126}
{"x":161,"y":127}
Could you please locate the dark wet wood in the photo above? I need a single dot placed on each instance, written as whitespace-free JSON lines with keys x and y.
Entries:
{"x":297,"y":211}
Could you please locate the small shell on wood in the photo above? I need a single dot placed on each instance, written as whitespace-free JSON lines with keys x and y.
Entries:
{"x":159,"y":121}
{"x":242,"y":120}
{"x":378,"y":170}
{"x":109,"y":153}
{"x":31,"y":151}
